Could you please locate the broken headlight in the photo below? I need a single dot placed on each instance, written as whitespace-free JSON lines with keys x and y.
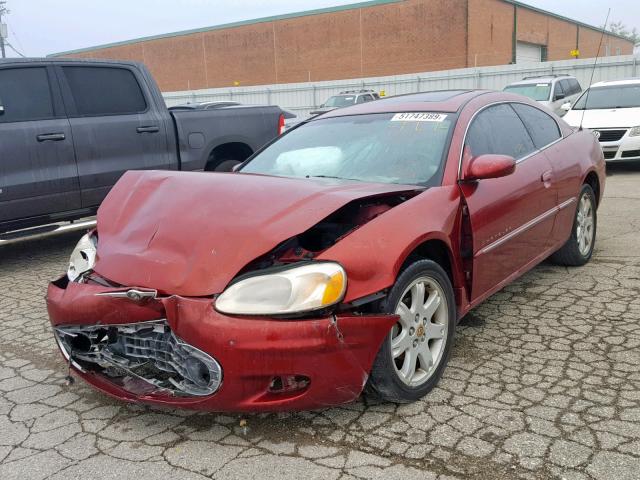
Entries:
{"x":83,"y":257}
{"x":297,"y":289}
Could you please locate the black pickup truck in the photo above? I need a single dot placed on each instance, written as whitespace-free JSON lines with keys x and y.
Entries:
{"x":70,"y":128}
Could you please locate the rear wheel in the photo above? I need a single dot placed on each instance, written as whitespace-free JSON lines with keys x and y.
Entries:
{"x":226,"y":165}
{"x":413,"y":356}
{"x":578,"y":249}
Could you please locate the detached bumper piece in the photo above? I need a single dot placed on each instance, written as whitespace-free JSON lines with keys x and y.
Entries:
{"x":142,"y":358}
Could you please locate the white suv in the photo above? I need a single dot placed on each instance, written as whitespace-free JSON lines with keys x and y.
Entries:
{"x":552,"y":91}
{"x":613,"y":112}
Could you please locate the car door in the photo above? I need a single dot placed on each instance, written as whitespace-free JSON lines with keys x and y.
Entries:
{"x":115,"y":126}
{"x":38,"y":173}
{"x":511,"y":217}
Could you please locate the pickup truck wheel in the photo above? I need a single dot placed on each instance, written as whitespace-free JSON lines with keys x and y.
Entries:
{"x":414,"y":354}
{"x":226,"y":165}
{"x":578,"y":249}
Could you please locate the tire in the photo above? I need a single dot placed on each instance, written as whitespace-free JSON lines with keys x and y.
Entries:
{"x":392,"y":378}
{"x":578,"y":249}
{"x":226,"y":165}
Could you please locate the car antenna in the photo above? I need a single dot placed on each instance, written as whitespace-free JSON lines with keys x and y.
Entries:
{"x":593,"y":70}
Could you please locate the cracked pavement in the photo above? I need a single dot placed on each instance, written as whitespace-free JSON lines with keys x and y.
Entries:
{"x":544,"y":382}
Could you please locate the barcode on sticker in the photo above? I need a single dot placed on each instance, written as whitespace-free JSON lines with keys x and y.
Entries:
{"x":418,"y":117}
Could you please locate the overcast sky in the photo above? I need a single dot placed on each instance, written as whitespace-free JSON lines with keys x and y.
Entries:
{"x":40,"y":27}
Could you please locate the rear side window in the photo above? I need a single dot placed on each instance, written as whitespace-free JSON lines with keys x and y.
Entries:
{"x":558,"y":90}
{"x":566,"y":86}
{"x":542,"y":128}
{"x":576,"y":85}
{"x":25,"y":94}
{"x":499,"y":130}
{"x":104,"y":91}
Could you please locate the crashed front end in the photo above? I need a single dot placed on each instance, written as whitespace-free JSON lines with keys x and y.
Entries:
{"x":181,"y":352}
{"x":232,"y":306}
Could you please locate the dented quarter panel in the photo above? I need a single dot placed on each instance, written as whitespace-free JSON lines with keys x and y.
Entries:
{"x":189,"y":234}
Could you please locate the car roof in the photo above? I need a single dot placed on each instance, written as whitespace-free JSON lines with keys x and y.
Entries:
{"x":435,"y":101}
{"x":547,"y":79}
{"x":613,"y":83}
{"x":8,"y":61}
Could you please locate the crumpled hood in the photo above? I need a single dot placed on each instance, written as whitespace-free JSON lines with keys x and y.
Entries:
{"x":189,"y":234}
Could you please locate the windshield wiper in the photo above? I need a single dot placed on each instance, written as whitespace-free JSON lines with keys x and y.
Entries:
{"x":331,"y":176}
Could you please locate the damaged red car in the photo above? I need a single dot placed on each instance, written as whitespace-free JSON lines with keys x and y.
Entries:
{"x":338,"y":258}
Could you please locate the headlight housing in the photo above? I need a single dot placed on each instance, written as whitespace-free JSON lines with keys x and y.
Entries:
{"x":635,"y":131}
{"x":83,"y":257}
{"x":297,"y":289}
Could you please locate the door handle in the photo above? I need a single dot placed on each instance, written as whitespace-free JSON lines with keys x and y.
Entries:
{"x":546,"y":178}
{"x":50,"y":137}
{"x":148,"y":129}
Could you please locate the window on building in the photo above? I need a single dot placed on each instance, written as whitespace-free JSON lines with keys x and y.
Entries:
{"x":499,"y":130}
{"x":542,"y":128}
{"x":123,"y":95}
{"x":25,"y":94}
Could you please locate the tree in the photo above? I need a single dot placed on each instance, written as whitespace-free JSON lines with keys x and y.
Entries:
{"x":621,"y":29}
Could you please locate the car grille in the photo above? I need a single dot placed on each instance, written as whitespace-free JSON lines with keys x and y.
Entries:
{"x":609,"y":154}
{"x":142,"y":357}
{"x":611,"y":135}
{"x":630,"y":154}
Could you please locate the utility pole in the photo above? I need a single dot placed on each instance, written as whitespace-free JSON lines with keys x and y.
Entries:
{"x":3,"y":28}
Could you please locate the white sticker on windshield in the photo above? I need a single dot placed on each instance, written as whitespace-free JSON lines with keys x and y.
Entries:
{"x":542,"y":84}
{"x":418,"y":117}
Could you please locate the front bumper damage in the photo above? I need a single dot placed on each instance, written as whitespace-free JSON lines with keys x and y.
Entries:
{"x":181,"y":352}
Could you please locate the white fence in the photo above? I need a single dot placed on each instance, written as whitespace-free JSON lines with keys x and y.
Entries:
{"x":301,"y":98}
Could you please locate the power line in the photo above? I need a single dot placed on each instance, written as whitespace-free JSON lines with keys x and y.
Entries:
{"x":14,"y":49}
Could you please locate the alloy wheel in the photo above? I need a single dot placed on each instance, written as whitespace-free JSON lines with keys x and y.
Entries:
{"x":418,"y":339}
{"x":584,"y":225}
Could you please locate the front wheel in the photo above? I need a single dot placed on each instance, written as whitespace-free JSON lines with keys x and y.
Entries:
{"x":578,"y":249}
{"x":413,"y":356}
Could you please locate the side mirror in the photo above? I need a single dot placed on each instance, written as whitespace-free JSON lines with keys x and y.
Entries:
{"x":566,"y":106}
{"x":558,"y":96}
{"x":490,"y":166}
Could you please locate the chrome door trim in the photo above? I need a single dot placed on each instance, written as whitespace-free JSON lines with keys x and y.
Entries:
{"x":523,"y":228}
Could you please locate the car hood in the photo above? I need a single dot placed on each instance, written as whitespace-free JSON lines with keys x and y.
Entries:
{"x":190,"y":233}
{"x":604,"y":118}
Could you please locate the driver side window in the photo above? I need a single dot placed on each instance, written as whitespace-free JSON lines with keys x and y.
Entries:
{"x":498,"y":130}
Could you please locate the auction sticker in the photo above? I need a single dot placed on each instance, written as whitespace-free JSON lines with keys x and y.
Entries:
{"x":419,"y":117}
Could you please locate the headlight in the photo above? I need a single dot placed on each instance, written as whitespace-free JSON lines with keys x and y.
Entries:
{"x":83,"y":257}
{"x":634,"y":132}
{"x":299,"y":289}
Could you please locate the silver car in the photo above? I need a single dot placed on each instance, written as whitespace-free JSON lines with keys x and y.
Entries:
{"x":552,"y":91}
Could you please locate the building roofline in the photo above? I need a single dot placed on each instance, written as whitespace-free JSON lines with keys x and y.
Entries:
{"x":273,"y":18}
{"x":319,"y":11}
{"x":566,"y":19}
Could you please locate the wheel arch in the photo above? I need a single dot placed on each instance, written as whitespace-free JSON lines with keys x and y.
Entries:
{"x":235,"y":150}
{"x":593,"y":181}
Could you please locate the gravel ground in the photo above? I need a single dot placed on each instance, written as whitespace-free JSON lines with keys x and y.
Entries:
{"x":544,"y":382}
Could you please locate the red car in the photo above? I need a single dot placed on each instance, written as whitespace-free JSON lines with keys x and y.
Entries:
{"x":339,"y":257}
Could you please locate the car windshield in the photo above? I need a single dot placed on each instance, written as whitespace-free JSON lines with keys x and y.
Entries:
{"x":404,"y":148}
{"x":535,"y":91}
{"x":619,"y":96}
{"x":340,"y":101}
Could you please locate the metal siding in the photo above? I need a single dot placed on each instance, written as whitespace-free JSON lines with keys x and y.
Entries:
{"x":301,"y":98}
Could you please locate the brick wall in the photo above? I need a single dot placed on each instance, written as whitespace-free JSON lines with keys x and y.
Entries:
{"x":406,"y":37}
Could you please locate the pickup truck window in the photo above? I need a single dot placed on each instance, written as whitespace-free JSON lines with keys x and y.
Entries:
{"x":123,"y":95}
{"x":25,"y":94}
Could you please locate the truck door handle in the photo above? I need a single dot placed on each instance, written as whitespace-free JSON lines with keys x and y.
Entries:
{"x":149,"y":129}
{"x":50,"y":137}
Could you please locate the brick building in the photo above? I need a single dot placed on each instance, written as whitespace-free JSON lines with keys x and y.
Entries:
{"x":379,"y":37}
